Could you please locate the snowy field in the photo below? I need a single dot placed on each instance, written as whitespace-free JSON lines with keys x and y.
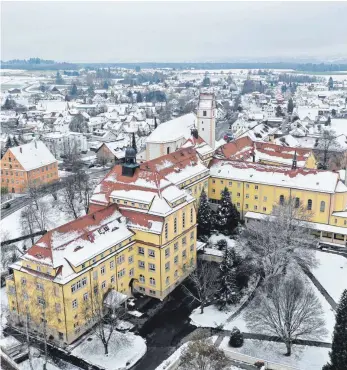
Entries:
{"x":332,"y":273}
{"x":303,"y":357}
{"x":124,"y":351}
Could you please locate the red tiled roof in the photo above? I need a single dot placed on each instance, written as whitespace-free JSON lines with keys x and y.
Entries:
{"x":83,"y":225}
{"x":267,"y":168}
{"x":153,"y":171}
{"x":142,"y":219}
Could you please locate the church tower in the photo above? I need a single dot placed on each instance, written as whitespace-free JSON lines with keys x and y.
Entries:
{"x":207,"y":118}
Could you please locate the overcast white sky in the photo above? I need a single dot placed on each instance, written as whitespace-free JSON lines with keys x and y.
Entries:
{"x":172,"y":31}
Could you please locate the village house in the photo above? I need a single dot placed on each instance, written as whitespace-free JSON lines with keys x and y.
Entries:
{"x":28,"y":165}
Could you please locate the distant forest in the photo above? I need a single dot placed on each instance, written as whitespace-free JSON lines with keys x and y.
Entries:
{"x":42,"y":64}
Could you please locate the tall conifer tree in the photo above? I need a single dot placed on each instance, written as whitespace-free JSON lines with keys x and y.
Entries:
{"x":338,"y":354}
{"x":204,"y":217}
{"x":227,"y":216}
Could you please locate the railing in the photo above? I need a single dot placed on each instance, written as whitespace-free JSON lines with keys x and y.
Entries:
{"x":252,"y":360}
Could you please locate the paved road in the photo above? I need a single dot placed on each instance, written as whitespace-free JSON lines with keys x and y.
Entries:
{"x":223,"y":127}
{"x":165,"y":330}
{"x":21,"y":202}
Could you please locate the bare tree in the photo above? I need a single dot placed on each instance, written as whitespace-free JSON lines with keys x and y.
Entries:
{"x":72,"y":155}
{"x":41,"y":216}
{"x":70,"y":198}
{"x":289,"y":309}
{"x":326,"y":146}
{"x":203,"y":355}
{"x":202,"y":284}
{"x":281,"y":239}
{"x":105,"y":311}
{"x":35,"y":192}
{"x":29,"y":220}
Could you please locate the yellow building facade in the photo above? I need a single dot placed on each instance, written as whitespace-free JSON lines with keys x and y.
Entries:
{"x":257,"y":188}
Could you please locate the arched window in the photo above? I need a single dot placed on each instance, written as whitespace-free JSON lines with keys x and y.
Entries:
{"x":281,"y":200}
{"x":322,"y":206}
{"x":152,"y":281}
{"x":168,"y":150}
{"x":167,"y":281}
{"x":309,"y":204}
{"x":142,"y":279}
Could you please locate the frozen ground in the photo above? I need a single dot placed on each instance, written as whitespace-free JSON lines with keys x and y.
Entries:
{"x":303,"y":357}
{"x":124,"y":351}
{"x":332,"y":273}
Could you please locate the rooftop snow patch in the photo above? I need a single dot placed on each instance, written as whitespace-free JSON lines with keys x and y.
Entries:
{"x":33,"y":155}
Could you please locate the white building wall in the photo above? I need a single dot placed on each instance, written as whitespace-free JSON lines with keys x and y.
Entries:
{"x":206,"y":119}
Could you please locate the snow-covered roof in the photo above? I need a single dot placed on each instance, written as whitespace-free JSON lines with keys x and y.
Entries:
{"x":306,"y":179}
{"x":33,"y":155}
{"x":178,"y":128}
{"x":310,"y":225}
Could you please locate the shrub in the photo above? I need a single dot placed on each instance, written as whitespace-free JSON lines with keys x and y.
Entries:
{"x":259,"y":364}
{"x":236,"y":338}
{"x":222,"y":244}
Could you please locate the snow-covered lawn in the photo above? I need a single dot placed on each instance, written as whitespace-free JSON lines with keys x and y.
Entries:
{"x":124,"y":351}
{"x":329,"y":316}
{"x":213,"y":317}
{"x":331,"y":273}
{"x":38,"y":364}
{"x":303,"y":357}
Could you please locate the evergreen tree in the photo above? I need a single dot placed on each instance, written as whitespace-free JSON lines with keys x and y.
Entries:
{"x":73,"y":91}
{"x":279,"y":111}
{"x":133,"y":142}
{"x":228,"y":291}
{"x":90,"y":90}
{"x":236,"y":338}
{"x":227,"y":217}
{"x":331,"y":83}
{"x":58,"y":79}
{"x":15,"y":141}
{"x":204,"y":217}
{"x":139,"y":98}
{"x":8,"y":143}
{"x":290,"y":107}
{"x":338,"y":353}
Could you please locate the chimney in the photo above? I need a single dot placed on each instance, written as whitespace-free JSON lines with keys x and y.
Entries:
{"x":294,"y":161}
{"x":20,"y":149}
{"x":253,"y":157}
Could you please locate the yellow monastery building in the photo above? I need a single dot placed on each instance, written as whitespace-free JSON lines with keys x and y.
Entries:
{"x":140,"y":233}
